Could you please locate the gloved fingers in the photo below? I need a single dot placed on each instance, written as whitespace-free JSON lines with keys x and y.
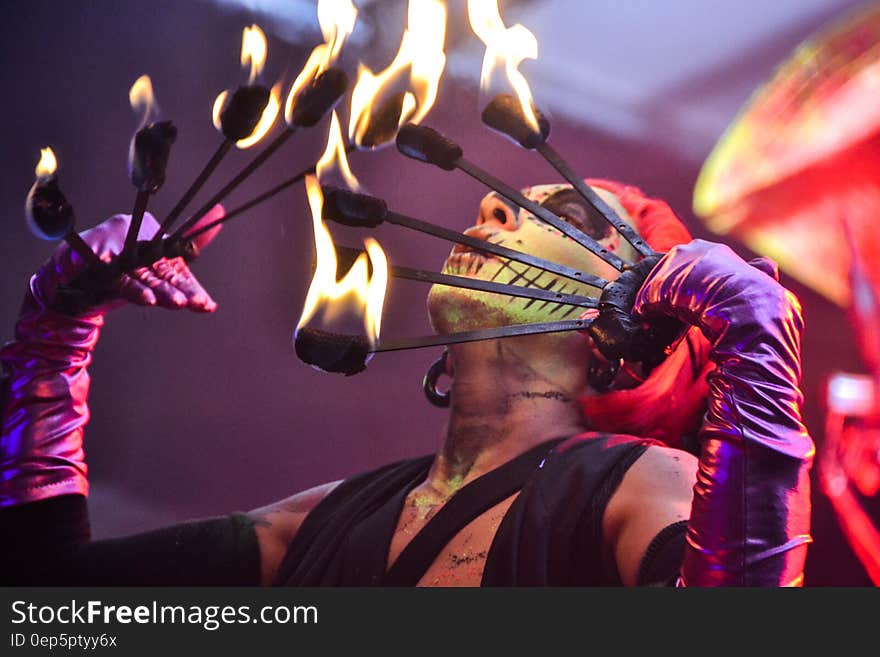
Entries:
{"x":129,"y":288}
{"x":700,"y":261}
{"x":167,"y":295}
{"x":176,"y":273}
{"x":588,"y":315}
{"x":166,"y":283}
{"x":766,"y":265}
{"x":215,"y":213}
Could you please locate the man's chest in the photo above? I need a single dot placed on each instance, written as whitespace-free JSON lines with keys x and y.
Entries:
{"x":461,"y":561}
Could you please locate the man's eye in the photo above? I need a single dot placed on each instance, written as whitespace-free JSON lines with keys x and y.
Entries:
{"x":569,"y":206}
{"x":574,"y":221}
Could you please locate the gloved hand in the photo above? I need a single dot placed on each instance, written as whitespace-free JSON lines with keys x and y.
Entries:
{"x":44,"y":399}
{"x":750,"y":518}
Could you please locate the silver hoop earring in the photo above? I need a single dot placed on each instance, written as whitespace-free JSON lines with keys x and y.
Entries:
{"x":429,"y":383}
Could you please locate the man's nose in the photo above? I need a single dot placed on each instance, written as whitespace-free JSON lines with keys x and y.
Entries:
{"x":495,"y":213}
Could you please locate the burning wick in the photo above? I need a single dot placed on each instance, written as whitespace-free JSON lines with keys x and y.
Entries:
{"x":151,"y":148}
{"x":147,"y":158}
{"x":384,"y":122}
{"x":49,"y":215}
{"x":314,"y":92}
{"x":331,"y":299}
{"x":243,"y":118}
{"x":320,"y":85}
{"x":317,"y":97}
{"x":516,"y":116}
{"x":238,"y":120}
{"x":363,"y":211}
{"x":241,"y":115}
{"x":332,"y":352}
{"x":314,"y":100}
{"x":504,"y":114}
{"x":334,"y":156}
{"x":405,"y":91}
{"x":348,"y":354}
{"x":427,"y":145}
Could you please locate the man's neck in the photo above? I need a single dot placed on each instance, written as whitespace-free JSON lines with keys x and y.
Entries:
{"x":499,"y":410}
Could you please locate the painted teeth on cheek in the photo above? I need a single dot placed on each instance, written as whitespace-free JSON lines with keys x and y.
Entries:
{"x":549,"y":288}
{"x":519,"y":274}
{"x":534,"y":283}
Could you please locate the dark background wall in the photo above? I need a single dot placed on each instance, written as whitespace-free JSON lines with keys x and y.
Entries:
{"x":196,"y":415}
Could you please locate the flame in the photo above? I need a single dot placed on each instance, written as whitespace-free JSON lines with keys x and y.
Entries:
{"x":266,"y":120}
{"x":334,"y":157}
{"x":420,"y":53}
{"x":253,"y":50}
{"x":326,"y":293}
{"x":270,"y":113}
{"x":47,"y":164}
{"x":427,"y":24}
{"x":507,"y":46}
{"x":219,"y":103}
{"x":141,"y":97}
{"x":337,"y":19}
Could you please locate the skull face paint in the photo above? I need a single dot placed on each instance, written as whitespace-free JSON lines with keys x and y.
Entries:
{"x":455,"y":309}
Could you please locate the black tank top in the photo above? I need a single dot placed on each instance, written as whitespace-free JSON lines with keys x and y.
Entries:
{"x":550,"y":536}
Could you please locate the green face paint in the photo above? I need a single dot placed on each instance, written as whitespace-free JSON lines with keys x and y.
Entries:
{"x":456,"y":309}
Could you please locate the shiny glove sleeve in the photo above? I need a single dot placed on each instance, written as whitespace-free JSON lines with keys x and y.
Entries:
{"x":750,"y":519}
{"x":45,"y":406}
{"x":43,"y":403}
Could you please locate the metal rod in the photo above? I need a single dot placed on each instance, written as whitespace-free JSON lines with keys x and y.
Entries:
{"x":78,"y":244}
{"x":200,"y":180}
{"x":253,"y":202}
{"x":243,"y":175}
{"x":495,"y":249}
{"x":597,"y":202}
{"x":497,"y":288}
{"x":542,"y":213}
{"x":350,"y":254}
{"x":137,"y":217}
{"x":265,"y":196}
{"x":482,"y":334}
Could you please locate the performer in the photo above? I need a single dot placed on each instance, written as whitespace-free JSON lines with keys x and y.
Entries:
{"x":555,"y":467}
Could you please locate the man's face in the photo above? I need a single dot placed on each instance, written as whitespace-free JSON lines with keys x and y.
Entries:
{"x":457,"y":309}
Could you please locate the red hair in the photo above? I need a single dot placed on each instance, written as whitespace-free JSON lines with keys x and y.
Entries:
{"x":670,"y":404}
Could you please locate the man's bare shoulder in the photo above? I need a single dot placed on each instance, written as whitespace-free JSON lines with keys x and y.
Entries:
{"x":655,"y":492}
{"x":277,"y":524}
{"x":297,"y":504}
{"x":662,"y":469}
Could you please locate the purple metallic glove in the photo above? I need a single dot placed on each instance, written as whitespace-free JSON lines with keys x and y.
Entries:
{"x":44,"y":407}
{"x":750,"y":519}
